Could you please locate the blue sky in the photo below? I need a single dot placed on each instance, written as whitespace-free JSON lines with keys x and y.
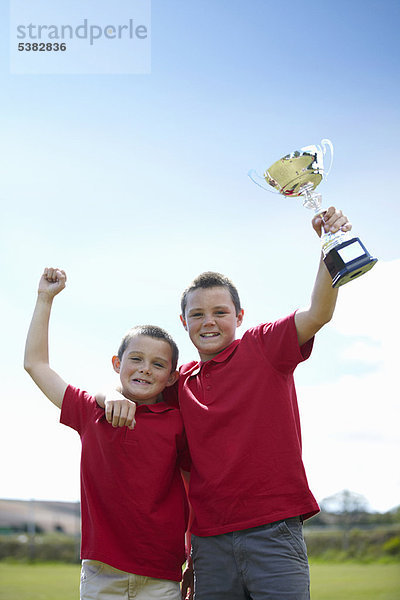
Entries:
{"x":136,"y":183}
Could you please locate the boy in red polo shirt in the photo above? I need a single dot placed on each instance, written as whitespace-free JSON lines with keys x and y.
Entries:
{"x":134,"y":508}
{"x":248,"y":487}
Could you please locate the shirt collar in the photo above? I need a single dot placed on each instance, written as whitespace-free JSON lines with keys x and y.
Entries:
{"x":158,"y":407}
{"x":219,"y":358}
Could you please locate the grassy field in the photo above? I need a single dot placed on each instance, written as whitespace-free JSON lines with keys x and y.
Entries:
{"x":351,"y":581}
{"x":329,"y":581}
{"x":44,"y":581}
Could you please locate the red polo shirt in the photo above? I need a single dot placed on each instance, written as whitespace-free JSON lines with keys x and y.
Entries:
{"x":133,"y":501}
{"x":242,"y":423}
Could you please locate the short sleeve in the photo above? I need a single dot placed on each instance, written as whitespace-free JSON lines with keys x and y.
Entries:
{"x":78,"y":408}
{"x":279,"y":344}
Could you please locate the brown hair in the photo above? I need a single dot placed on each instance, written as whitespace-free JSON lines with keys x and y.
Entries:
{"x":154,"y":332}
{"x":211,"y":279}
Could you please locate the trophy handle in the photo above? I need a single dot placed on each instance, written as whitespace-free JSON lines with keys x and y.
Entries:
{"x":325,"y":143}
{"x":260,"y":181}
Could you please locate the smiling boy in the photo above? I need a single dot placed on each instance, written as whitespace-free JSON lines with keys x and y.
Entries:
{"x":212,"y":316}
{"x":133,"y":501}
{"x":248,"y":487}
{"x":144,"y":365}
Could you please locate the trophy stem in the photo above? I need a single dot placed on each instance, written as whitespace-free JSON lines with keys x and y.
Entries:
{"x":312,"y":200}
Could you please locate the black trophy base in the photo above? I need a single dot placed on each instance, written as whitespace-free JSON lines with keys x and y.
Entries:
{"x":347,"y":261}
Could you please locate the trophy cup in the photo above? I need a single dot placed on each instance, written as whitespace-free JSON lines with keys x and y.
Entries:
{"x":298,"y":174}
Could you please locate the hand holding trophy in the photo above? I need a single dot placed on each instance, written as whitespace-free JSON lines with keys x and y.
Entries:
{"x":298,"y":174}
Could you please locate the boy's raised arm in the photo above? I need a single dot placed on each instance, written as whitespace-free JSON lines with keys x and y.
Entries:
{"x":36,"y":361}
{"x":323,"y":299}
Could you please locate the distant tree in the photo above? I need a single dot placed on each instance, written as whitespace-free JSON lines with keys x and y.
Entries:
{"x":345,"y":503}
{"x":351,"y":507}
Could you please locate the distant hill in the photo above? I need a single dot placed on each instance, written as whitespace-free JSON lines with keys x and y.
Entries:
{"x":49,"y":516}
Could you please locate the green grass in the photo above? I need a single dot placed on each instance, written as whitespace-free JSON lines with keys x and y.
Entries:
{"x":45,"y":581}
{"x":352,"y":581}
{"x":329,"y":581}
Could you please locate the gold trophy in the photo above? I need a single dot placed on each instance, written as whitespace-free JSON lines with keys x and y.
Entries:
{"x":298,"y":174}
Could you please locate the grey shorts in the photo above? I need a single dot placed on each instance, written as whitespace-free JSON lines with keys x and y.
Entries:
{"x":263,"y":563}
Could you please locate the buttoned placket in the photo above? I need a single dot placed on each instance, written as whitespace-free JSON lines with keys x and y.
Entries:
{"x":207,"y":378}
{"x":202,"y":372}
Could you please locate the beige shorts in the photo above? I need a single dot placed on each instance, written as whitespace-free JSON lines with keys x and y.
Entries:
{"x":102,"y":582}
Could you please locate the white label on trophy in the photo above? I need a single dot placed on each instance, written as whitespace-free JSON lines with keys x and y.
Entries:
{"x":350,"y":252}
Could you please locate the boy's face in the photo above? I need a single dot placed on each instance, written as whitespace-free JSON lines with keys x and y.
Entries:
{"x":210,"y":319}
{"x":145,"y":369}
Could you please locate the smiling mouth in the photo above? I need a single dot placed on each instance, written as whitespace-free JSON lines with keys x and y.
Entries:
{"x":209,"y":335}
{"x":141,"y":381}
